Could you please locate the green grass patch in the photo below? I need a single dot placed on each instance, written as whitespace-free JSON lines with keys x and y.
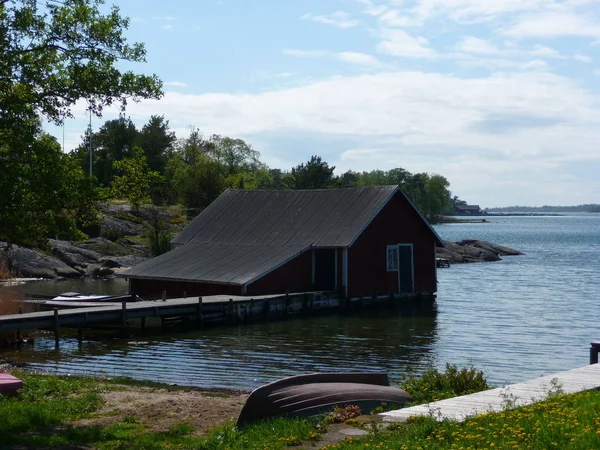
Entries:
{"x":45,"y":412}
{"x":46,"y":402}
{"x":561,"y":422}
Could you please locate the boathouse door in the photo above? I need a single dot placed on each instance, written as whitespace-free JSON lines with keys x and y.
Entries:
{"x":324,"y":269}
{"x":400,"y":260}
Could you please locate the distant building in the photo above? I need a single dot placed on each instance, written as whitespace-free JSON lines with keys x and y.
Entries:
{"x":467,"y":210}
{"x":362,"y":242}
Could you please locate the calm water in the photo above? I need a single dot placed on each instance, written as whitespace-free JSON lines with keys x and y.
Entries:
{"x":518,"y":319}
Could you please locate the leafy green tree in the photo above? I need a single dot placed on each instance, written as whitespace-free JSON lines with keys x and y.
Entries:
{"x":158,"y":142}
{"x":349,"y":179}
{"x":55,"y":53}
{"x":437,"y":195}
{"x":134,"y":179}
{"x":114,"y":141}
{"x":315,"y":174}
{"x":43,"y":192}
{"x":235,"y":155}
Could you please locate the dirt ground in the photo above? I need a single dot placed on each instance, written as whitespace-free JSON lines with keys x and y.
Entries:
{"x":161,"y":409}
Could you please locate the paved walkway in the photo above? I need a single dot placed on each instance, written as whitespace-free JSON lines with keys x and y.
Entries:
{"x":499,"y":399}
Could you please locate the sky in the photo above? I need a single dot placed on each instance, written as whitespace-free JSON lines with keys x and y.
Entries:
{"x":502,"y":97}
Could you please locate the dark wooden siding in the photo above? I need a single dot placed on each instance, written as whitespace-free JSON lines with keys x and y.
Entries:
{"x":294,"y":276}
{"x":175,"y":289}
{"x":397,"y":223}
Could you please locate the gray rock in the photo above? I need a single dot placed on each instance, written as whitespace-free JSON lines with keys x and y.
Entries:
{"x":468,"y":251}
{"x":105,"y":247}
{"x":99,"y":271}
{"x":113,"y":227}
{"x":34,"y":264}
{"x":72,"y":255}
{"x":123,"y":261}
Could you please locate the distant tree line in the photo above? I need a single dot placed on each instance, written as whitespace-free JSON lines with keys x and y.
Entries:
{"x":194,"y":171}
{"x":589,"y":207}
{"x":152,"y":166}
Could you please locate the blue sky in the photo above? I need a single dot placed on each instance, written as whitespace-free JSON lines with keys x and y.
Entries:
{"x":500,"y":96}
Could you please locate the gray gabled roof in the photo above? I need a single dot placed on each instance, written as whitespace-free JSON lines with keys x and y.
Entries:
{"x":322,"y":218}
{"x":216,"y":263}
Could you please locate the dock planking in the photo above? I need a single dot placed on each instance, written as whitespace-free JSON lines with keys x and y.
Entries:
{"x":113,"y":312}
{"x":500,"y":399}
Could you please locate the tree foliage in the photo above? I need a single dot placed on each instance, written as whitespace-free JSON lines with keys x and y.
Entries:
{"x":55,"y":53}
{"x":314,"y":174}
{"x":43,"y":192}
{"x":134,"y":180}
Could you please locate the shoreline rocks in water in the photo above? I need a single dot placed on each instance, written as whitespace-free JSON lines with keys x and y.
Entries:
{"x":471,"y":251}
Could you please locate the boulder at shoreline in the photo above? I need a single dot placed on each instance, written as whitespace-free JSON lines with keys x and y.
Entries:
{"x":469,"y":251}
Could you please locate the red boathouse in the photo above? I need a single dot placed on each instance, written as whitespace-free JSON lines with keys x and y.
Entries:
{"x":359,"y":241}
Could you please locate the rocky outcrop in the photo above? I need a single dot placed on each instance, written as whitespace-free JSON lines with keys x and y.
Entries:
{"x":469,"y":251}
{"x":28,"y":263}
{"x":69,"y":260}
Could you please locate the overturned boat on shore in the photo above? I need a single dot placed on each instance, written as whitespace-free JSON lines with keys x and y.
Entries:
{"x":308,"y":395}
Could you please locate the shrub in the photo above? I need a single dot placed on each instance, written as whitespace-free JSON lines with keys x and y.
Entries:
{"x":434,"y":385}
{"x":159,"y":235}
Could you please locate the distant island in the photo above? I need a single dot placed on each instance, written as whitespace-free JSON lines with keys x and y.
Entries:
{"x":590,"y":208}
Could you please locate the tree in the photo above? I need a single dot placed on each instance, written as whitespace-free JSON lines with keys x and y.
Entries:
{"x":437,"y":194}
{"x":59,"y":52}
{"x":349,"y":179}
{"x":158,"y":141}
{"x":114,"y":141}
{"x":134,"y":179}
{"x":315,"y":174}
{"x":43,"y":192}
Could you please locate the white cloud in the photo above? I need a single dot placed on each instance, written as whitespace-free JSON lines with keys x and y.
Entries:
{"x":175,"y":83}
{"x":582,"y":58}
{"x":545,"y":52}
{"x":338,"y":19}
{"x":553,"y":24}
{"x":520,"y":126}
{"x":356,"y":58}
{"x":360,"y":59}
{"x":597,"y":72}
{"x":398,"y":42}
{"x":471,"y":44}
{"x":167,"y":27}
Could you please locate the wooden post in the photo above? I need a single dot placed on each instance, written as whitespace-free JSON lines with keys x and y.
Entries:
{"x":231,"y":310}
{"x":124,"y":314}
{"x":19,"y":338}
{"x":594,"y":349}
{"x":184,"y":294}
{"x":200,"y":313}
{"x":56,"y":334}
{"x":143,"y":323}
{"x":164,"y":295}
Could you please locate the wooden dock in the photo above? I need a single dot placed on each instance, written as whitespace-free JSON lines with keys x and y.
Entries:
{"x":199,"y":311}
{"x":500,"y":399}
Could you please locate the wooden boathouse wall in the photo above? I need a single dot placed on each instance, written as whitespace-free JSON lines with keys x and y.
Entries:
{"x":397,"y":223}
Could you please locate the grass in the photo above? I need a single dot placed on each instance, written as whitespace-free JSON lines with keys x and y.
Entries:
{"x":561,"y":422}
{"x":45,"y":412}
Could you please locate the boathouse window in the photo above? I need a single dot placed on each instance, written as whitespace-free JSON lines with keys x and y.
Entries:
{"x":392,"y":258}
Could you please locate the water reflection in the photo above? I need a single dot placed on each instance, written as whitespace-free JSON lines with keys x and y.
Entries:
{"x":245,"y":357}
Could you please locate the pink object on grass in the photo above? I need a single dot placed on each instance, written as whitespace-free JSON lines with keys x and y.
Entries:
{"x":9,"y":384}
